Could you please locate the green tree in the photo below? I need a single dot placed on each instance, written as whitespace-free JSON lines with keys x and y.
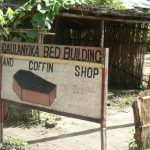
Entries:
{"x":117,"y":4}
{"x":42,"y":15}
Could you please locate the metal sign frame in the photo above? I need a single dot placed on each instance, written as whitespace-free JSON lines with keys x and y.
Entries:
{"x":104,"y":89}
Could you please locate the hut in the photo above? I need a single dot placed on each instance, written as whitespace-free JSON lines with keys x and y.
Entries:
{"x":124,"y":32}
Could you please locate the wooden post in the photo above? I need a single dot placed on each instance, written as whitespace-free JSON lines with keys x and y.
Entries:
{"x":104,"y":92}
{"x":149,"y":82}
{"x":104,"y":102}
{"x":102,"y":33}
{"x":141,"y":109}
{"x":40,"y":38}
{"x":1,"y":104}
{"x":1,"y":122}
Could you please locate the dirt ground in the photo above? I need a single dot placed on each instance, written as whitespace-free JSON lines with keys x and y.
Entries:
{"x":74,"y":134}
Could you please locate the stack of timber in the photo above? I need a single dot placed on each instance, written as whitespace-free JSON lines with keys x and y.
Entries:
{"x":141,"y":110}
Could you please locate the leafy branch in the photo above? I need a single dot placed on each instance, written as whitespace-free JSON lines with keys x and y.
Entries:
{"x":42,"y":13}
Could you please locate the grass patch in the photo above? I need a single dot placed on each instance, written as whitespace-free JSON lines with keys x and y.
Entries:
{"x":124,"y":102}
{"x":14,"y":144}
{"x":122,"y":98}
{"x":133,"y":146}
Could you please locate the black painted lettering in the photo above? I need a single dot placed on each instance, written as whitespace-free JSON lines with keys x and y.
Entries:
{"x":8,"y":47}
{"x":19,"y":50}
{"x":91,"y":55}
{"x":30,"y":65}
{"x":50,"y":67}
{"x":78,"y":54}
{"x":83,"y":71}
{"x":57,"y":52}
{"x":4,"y":62}
{"x":14,"y":51}
{"x":41,"y":66}
{"x":46,"y":49}
{"x":89,"y":72}
{"x":66,"y":53}
{"x":8,"y":62}
{"x":30,"y":50}
{"x":36,"y":51}
{"x":51,"y":52}
{"x":4,"y":48}
{"x":96,"y":72}
{"x":23,"y":50}
{"x":86,"y":72}
{"x":84,"y":54}
{"x":72,"y":54}
{"x":98,"y":57}
{"x":36,"y":65}
{"x":77,"y":71}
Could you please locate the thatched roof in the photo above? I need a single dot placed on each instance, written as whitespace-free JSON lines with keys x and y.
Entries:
{"x":139,"y":15}
{"x":99,"y":12}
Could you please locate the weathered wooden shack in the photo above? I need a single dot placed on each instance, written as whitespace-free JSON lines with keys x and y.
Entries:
{"x":124,"y":32}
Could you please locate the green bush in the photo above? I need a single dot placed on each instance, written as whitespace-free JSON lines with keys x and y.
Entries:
{"x":14,"y":144}
{"x":17,"y":113}
{"x":133,"y":146}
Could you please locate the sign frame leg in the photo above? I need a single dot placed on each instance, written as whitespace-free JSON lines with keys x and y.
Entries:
{"x":104,"y":102}
{"x":1,"y":121}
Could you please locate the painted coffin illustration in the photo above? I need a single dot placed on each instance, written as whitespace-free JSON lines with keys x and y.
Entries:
{"x":32,"y":88}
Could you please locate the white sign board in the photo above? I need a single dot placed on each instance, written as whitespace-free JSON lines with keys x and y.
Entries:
{"x":66,"y":79}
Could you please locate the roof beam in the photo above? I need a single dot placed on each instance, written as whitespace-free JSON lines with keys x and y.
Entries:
{"x":125,"y":20}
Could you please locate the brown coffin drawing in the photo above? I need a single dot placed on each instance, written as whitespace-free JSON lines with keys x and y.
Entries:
{"x":32,"y":88}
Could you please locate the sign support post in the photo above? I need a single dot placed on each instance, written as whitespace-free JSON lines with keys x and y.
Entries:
{"x":1,"y":105}
{"x":104,"y":103}
{"x":1,"y":122}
